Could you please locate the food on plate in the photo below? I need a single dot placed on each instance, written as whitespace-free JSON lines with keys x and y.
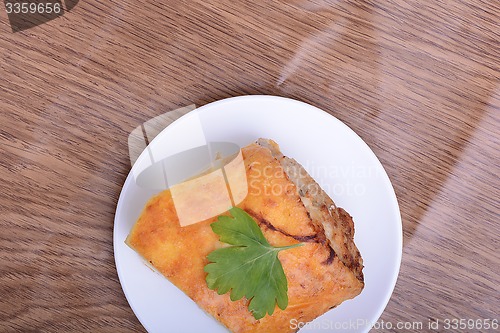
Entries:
{"x":306,"y":235}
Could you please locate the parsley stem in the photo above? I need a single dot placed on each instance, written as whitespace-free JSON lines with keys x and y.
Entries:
{"x":288,"y":247}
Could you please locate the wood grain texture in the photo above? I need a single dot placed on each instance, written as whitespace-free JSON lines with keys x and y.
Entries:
{"x":419,"y":81}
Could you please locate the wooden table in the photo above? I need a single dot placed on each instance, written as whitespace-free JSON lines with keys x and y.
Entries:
{"x":419,"y":81}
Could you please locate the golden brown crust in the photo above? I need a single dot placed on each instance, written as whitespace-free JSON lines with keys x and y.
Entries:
{"x":317,"y":279}
{"x":334,"y":222}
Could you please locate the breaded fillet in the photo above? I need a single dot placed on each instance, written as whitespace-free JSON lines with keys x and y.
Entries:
{"x":289,"y":207}
{"x":336,"y":223}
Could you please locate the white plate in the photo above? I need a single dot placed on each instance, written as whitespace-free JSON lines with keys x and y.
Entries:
{"x":331,"y":152}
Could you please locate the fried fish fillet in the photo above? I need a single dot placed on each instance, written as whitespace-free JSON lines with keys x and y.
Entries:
{"x":290,"y":207}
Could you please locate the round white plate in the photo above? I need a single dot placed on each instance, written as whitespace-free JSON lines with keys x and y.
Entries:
{"x":330,"y":151}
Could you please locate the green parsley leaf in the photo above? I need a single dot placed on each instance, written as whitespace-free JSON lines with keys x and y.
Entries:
{"x":250,"y":267}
